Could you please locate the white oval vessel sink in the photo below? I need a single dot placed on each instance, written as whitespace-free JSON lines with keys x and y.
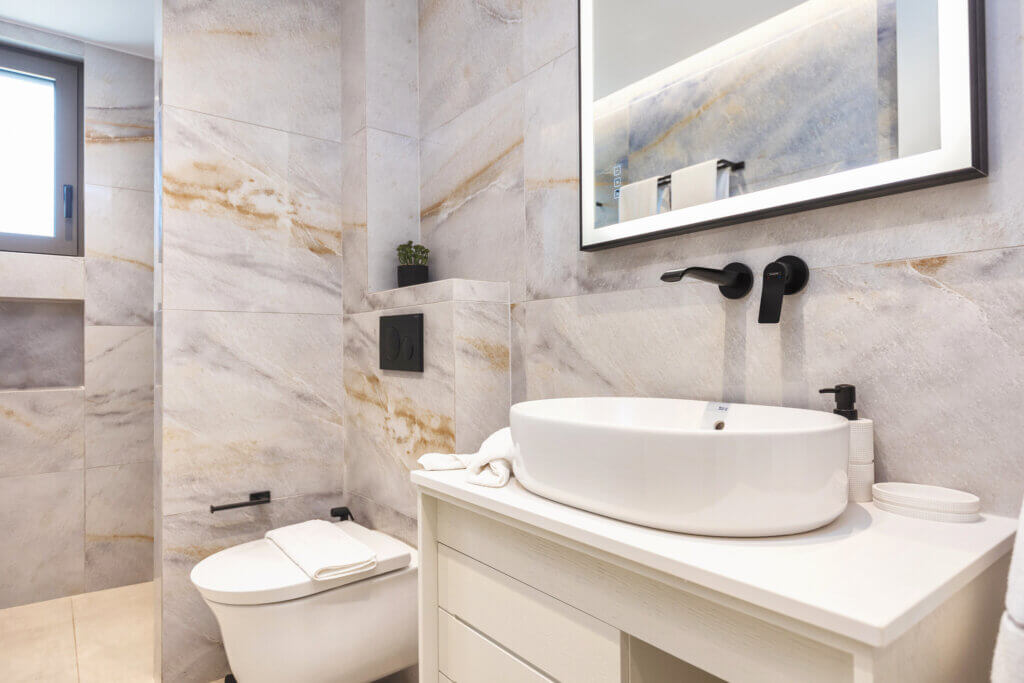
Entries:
{"x":717,"y":469}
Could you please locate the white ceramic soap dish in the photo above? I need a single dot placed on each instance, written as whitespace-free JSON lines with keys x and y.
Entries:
{"x":927,"y":502}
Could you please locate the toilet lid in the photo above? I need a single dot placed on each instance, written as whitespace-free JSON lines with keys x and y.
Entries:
{"x":258,"y":572}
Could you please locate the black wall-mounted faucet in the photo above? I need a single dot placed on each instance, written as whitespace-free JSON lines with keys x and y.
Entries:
{"x":734,"y":281}
{"x":787,"y":275}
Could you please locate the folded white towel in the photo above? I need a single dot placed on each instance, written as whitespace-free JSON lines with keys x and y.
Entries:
{"x":639,"y":199}
{"x":1015,"y":582}
{"x":490,"y":466}
{"x":699,"y":184}
{"x":322,"y":550}
{"x":1008,"y":661}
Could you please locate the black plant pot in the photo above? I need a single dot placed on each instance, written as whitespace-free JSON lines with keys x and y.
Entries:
{"x":412,"y":275}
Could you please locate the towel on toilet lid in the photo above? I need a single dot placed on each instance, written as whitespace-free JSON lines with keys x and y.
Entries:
{"x":322,"y":550}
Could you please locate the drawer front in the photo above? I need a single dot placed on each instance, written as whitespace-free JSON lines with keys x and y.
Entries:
{"x":563,"y":642}
{"x":465,"y":656}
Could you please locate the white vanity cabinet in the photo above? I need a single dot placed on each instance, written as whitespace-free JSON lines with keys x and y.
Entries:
{"x":514,"y":587}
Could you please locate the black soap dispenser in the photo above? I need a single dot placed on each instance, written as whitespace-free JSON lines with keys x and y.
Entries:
{"x":846,"y":399}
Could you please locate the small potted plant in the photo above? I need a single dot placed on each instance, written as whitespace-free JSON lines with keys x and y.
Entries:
{"x":412,"y":264}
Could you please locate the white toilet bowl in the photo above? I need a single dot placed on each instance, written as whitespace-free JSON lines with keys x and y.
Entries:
{"x":279,"y":625}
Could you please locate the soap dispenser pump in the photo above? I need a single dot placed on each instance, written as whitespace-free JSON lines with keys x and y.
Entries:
{"x":846,"y":399}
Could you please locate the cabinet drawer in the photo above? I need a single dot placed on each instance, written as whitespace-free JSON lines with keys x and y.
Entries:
{"x":563,"y":642}
{"x":465,"y":656}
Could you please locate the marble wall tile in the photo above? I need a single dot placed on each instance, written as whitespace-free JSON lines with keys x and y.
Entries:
{"x":40,"y":344}
{"x":118,"y":119}
{"x":550,"y":29}
{"x":551,"y":163}
{"x":392,"y":203}
{"x":276,"y":64}
{"x":118,"y":525}
{"x":392,"y":418}
{"x":517,"y":353}
{"x":472,"y":208}
{"x":192,"y":646}
{"x":119,"y":395}
{"x":920,"y":338}
{"x":41,"y":537}
{"x":251,"y":402}
{"x":41,"y":276}
{"x":41,"y":431}
{"x":372,"y":514}
{"x":392,"y":94}
{"x":251,"y":217}
{"x":354,"y":223}
{"x":481,"y":342}
{"x":440,"y":290}
{"x":353,"y":67}
{"x":118,"y":256}
{"x":467,"y":53}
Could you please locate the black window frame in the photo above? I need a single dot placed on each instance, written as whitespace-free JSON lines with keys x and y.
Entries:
{"x":68,"y":151}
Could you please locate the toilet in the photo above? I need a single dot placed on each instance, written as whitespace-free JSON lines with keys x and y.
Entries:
{"x":279,"y":625}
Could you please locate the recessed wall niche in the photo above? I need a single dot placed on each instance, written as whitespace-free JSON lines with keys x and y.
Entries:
{"x":41,"y":344}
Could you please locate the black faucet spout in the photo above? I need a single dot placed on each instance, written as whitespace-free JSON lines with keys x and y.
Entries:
{"x":734,"y":281}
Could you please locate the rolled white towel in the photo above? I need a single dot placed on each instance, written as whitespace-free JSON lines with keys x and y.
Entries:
{"x":1008,"y":661}
{"x":322,"y":550}
{"x":490,"y":466}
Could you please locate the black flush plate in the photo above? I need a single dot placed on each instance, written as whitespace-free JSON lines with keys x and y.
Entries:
{"x":401,"y":342}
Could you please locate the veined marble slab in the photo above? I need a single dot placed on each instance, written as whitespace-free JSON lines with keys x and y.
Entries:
{"x":41,"y":276}
{"x":41,"y":537}
{"x":251,"y":218}
{"x":118,"y":525}
{"x":472,"y":207}
{"x":118,"y":256}
{"x":119,"y":129}
{"x":468,"y":52}
{"x":266,"y":62}
{"x":251,"y":402}
{"x":119,"y":395}
{"x":40,"y":344}
{"x":41,"y":431}
{"x":440,"y":290}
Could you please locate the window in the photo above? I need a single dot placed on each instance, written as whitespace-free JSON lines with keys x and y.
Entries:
{"x":40,"y":148}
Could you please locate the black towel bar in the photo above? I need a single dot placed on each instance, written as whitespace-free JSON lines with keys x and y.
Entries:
{"x":258,"y":498}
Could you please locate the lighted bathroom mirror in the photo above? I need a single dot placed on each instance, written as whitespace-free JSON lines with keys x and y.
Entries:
{"x":700,"y":114}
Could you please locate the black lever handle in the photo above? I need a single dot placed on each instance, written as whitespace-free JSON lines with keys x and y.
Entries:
{"x":734,"y":281}
{"x":258,"y":498}
{"x":787,"y":275}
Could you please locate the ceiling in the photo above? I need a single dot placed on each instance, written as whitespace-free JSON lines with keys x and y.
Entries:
{"x":125,"y":25}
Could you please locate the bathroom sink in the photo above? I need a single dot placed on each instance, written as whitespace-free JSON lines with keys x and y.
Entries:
{"x":717,"y":469}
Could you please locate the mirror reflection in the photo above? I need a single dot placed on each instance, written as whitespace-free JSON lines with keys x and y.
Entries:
{"x":698,"y":102}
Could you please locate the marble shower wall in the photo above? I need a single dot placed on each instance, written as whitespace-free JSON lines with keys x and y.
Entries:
{"x":251,"y":318}
{"x":76,"y":375}
{"x":915,"y":298}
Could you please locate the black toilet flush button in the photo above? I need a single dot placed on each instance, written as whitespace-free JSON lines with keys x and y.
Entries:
{"x":401,"y":342}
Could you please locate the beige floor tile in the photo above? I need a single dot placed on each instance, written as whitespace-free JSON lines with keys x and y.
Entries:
{"x":114,"y":634}
{"x":37,"y":643}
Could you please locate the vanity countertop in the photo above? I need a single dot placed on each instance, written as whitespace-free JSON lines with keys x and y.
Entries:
{"x":870,"y":575}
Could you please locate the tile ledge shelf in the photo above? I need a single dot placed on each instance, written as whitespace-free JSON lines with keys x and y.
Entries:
{"x":41,"y":277}
{"x":453,"y":289}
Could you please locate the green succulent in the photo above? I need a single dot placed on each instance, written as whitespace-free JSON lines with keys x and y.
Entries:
{"x":410,"y":254}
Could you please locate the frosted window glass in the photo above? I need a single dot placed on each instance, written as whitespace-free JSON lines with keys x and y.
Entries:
{"x":26,"y":154}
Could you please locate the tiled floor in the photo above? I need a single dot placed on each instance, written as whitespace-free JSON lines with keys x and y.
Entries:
{"x":103,"y":636}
